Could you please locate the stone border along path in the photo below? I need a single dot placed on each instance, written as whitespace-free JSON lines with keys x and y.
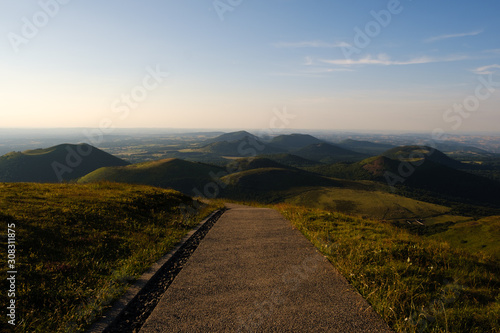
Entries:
{"x":254,"y":273}
{"x":130,"y":312}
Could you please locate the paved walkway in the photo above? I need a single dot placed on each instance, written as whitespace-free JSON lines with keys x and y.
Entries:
{"x":254,"y":273}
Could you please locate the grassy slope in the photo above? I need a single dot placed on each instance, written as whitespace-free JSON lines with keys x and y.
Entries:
{"x":418,"y":152}
{"x":240,"y":148}
{"x":327,"y":153}
{"x":270,"y":184}
{"x":294,"y":141}
{"x":415,"y":284}
{"x":244,"y":164}
{"x":79,"y":246}
{"x":171,"y":173}
{"x":291,"y":160}
{"x":233,"y":136}
{"x":37,"y":165}
{"x":367,"y":202}
{"x":438,"y":180}
{"x":363,"y":198}
{"x":480,"y":235}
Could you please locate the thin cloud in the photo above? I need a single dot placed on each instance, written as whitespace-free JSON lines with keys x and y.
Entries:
{"x":486,"y":70}
{"x":309,"y":44}
{"x":317,"y":72}
{"x":441,"y":37}
{"x":386,"y":61}
{"x":497,"y":51}
{"x":328,"y":70}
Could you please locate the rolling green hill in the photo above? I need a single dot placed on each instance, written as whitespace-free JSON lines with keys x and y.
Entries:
{"x":244,"y":164}
{"x":420,"y":170}
{"x":367,"y":200}
{"x":438,"y":178}
{"x":268,"y":184}
{"x":372,"y":168}
{"x":263,"y":181}
{"x":327,"y":153}
{"x":292,"y":142}
{"x":455,"y":184}
{"x":416,"y":153}
{"x":62,"y":162}
{"x":292,"y":160}
{"x":479,"y":235}
{"x":378,"y":165}
{"x":240,"y":148}
{"x":230,"y":137}
{"x":172,"y":173}
{"x":193,"y":155}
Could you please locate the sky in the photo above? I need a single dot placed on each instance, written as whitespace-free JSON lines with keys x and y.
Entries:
{"x":409,"y":65}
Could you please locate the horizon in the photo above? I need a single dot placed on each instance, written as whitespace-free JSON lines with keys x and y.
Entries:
{"x":363,"y":67}
{"x":278,"y":131}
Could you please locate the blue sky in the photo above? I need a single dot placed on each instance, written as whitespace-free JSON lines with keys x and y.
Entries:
{"x":331,"y":64}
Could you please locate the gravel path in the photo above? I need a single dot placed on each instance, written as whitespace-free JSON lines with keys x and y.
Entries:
{"x":254,"y":273}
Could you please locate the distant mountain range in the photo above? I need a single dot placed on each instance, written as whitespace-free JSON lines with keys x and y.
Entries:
{"x":244,"y":144}
{"x":248,"y":165}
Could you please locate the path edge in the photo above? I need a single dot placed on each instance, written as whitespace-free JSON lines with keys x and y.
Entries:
{"x":119,"y":305}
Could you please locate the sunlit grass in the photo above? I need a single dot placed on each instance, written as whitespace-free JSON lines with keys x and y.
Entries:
{"x":481,"y":235}
{"x":415,"y":284}
{"x":369,"y":203}
{"x":80,"y":246}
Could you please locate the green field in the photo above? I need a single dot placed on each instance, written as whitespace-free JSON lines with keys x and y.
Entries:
{"x":80,"y":246}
